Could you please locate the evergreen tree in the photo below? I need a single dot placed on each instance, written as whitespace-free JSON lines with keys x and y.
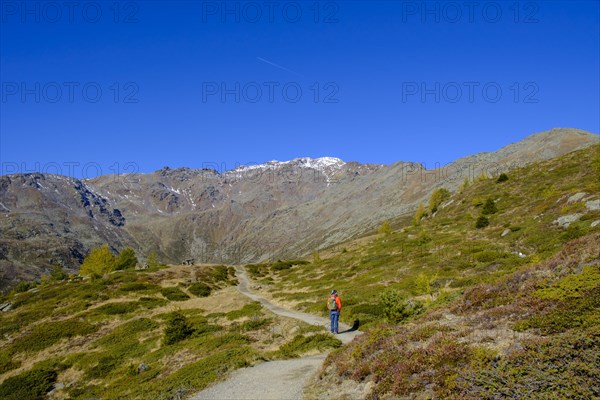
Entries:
{"x":152,"y":260}
{"x":58,"y":273}
{"x":98,"y":262}
{"x":385,"y":228}
{"x":126,"y":259}
{"x":420,"y":213}
{"x":438,"y":197}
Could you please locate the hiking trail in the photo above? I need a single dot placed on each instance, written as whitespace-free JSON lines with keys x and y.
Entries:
{"x":283,"y":379}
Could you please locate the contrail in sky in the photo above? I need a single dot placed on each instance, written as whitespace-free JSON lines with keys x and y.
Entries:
{"x":277,"y":65}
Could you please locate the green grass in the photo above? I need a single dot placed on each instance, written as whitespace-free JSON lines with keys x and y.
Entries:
{"x":303,"y":344}
{"x":174,"y":294}
{"x":33,"y":384}
{"x":447,"y":249}
{"x":45,"y":335}
{"x":200,"y":289}
{"x":249,"y":310}
{"x":106,"y":360}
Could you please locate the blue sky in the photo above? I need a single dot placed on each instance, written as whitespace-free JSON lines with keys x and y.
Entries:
{"x":134,"y":86}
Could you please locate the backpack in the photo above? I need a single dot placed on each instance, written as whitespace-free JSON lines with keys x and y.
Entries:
{"x":331,"y":304}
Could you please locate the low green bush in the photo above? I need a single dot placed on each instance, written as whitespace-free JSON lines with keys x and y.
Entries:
{"x":397,"y":308}
{"x":482,"y":222}
{"x":255,"y":324}
{"x":152,"y":302}
{"x":174,"y":294}
{"x":302,"y":344}
{"x":248,"y":310}
{"x":33,"y":384}
{"x":137,"y":287}
{"x":7,"y":364}
{"x":200,"y":289}
{"x":45,"y":335}
{"x":24,"y":286}
{"x":118,"y":308}
{"x":177,"y":328}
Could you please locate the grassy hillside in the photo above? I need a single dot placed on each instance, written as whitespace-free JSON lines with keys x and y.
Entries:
{"x":133,"y":334}
{"x":435,"y":260}
{"x":456,"y":311}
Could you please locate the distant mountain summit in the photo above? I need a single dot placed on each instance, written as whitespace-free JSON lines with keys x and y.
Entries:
{"x":278,"y":209}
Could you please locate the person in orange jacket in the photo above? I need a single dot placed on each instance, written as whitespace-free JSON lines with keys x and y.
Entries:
{"x":334,"y":305}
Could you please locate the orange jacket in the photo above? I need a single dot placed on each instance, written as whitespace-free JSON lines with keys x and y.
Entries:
{"x":338,"y":302}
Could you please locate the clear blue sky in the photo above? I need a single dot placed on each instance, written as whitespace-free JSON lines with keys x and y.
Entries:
{"x":149,"y":84}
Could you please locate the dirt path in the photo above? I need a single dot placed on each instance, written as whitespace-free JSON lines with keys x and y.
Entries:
{"x":275,"y":379}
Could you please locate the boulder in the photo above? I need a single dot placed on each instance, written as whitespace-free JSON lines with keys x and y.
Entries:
{"x":576,"y":197}
{"x":593,"y":205}
{"x":567,"y":220}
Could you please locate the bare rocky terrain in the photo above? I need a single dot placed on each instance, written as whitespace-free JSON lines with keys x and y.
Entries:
{"x":268,"y":211}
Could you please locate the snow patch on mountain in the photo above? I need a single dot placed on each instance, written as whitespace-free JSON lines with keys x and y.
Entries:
{"x":320,"y":164}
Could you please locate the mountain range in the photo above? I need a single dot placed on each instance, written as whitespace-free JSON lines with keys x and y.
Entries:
{"x":251,"y":213}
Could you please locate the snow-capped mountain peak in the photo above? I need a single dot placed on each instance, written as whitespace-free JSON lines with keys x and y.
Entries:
{"x":321,"y":164}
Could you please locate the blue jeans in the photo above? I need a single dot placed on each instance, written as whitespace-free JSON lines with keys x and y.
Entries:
{"x":334,"y":316}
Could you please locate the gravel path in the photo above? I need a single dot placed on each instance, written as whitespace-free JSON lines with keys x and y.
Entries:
{"x":277,"y":380}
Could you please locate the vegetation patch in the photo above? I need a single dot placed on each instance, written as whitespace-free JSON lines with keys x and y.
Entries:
{"x":45,"y":335}
{"x":303,"y":344}
{"x":33,"y":384}
{"x":249,"y":310}
{"x":174,"y":294}
{"x":200,"y":289}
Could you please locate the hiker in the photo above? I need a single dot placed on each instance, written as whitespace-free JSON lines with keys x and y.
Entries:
{"x":334,"y":304}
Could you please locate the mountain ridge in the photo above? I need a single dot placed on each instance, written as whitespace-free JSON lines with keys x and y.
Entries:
{"x":279,"y":210}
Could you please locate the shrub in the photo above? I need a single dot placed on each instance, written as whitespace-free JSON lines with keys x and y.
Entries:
{"x":7,"y":364}
{"x":117,"y":308}
{"x":136,"y":286}
{"x":45,"y":335}
{"x":33,"y":384}
{"x":152,"y":302}
{"x":177,"y":329}
{"x":248,"y":310}
{"x":220,"y":273}
{"x":58,"y":273}
{"x":255,"y":324}
{"x":502,"y":178}
{"x":126,"y":259}
{"x":396,"y":308}
{"x":24,"y":286}
{"x":482,"y":222}
{"x":103,"y":368}
{"x":200,"y":289}
{"x":489,"y":207}
{"x":302,"y":344}
{"x":174,"y":294}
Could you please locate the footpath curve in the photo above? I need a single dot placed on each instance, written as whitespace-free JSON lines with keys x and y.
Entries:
{"x":274,"y":380}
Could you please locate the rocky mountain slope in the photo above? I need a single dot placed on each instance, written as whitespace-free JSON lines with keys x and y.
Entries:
{"x":268,"y":211}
